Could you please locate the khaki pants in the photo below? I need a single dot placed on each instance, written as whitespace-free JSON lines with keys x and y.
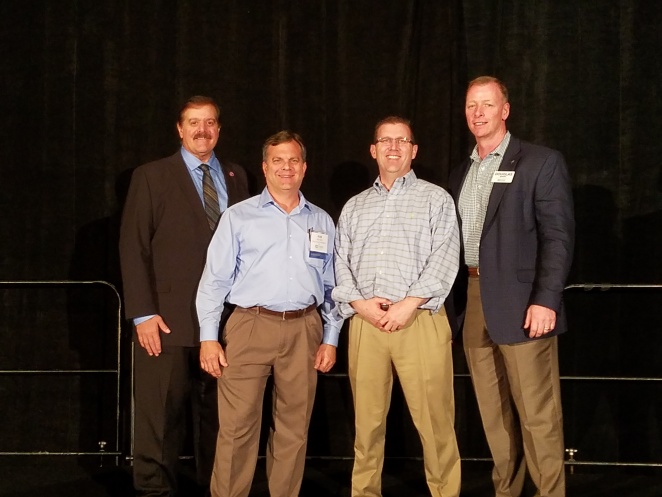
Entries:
{"x":421,"y":356}
{"x":519,"y":397}
{"x":257,"y":345}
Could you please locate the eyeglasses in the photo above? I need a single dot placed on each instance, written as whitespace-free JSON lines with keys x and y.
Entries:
{"x":401,"y":141}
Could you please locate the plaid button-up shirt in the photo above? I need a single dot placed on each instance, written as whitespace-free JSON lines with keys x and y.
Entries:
{"x":474,"y":197}
{"x":396,"y":244}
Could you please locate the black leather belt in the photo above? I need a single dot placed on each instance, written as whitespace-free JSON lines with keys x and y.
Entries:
{"x":284,"y":315}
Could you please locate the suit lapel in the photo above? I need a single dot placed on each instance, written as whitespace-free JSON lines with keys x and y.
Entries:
{"x":183,"y":179}
{"x":509,"y":163}
{"x":230,"y":183}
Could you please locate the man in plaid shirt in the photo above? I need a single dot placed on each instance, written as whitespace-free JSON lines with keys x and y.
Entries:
{"x":397,"y":255}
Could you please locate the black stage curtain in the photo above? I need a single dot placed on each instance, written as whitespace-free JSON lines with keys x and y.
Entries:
{"x":91,"y":89}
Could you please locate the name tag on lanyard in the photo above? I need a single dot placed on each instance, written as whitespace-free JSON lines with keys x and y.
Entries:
{"x":319,"y":243}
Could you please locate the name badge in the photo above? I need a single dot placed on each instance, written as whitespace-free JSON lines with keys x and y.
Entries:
{"x":503,"y":176}
{"x":319,"y":243}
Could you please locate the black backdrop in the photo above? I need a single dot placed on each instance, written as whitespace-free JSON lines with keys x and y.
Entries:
{"x":90,"y":89}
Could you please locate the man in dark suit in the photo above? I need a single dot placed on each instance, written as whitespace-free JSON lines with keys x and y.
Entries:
{"x":515,"y":207}
{"x":169,"y":217}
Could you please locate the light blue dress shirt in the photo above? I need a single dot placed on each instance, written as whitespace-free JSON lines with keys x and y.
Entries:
{"x":193,"y":166}
{"x":261,"y":256}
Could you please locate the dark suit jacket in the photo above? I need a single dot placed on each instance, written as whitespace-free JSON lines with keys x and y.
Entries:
{"x":163,"y":244}
{"x":527,"y":241}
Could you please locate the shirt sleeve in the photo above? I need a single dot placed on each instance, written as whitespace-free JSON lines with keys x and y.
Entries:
{"x":330,"y":314}
{"x":346,"y":290}
{"x":217,"y":278}
{"x":438,"y":274}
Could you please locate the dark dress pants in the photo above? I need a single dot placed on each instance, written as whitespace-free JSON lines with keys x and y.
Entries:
{"x":166,"y":389}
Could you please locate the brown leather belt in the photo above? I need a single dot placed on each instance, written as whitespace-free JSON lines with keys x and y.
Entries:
{"x":473,"y":271}
{"x":284,"y":315}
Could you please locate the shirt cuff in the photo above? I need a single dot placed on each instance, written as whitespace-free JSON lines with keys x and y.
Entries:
{"x":208,"y":332}
{"x":142,"y":319}
{"x":331,"y":336}
{"x":346,"y":310}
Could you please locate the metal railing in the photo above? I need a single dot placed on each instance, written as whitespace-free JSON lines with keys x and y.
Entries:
{"x":64,"y":372}
{"x":570,"y":451}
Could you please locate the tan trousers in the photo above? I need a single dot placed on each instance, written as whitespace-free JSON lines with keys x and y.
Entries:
{"x":421,"y":355}
{"x":258,"y":345}
{"x":519,"y":397}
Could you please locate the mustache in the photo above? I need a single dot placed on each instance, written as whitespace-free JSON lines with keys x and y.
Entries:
{"x":202,"y":134}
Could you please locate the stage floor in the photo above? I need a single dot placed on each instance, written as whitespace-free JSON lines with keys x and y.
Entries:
{"x":64,"y":476}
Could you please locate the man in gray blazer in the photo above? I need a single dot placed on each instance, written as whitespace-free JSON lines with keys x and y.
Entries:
{"x":169,"y":217}
{"x":514,"y":201}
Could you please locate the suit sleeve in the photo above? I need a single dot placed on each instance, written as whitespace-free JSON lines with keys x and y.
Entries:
{"x":136,"y":234}
{"x":556,"y":232}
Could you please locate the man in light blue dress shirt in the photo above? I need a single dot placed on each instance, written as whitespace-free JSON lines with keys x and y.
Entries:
{"x":272,"y":257}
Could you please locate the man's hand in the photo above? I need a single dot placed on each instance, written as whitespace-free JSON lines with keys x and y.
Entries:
{"x":539,"y":320}
{"x":399,"y":314}
{"x":325,"y":358}
{"x":149,"y":335}
{"x":212,"y":358}
{"x":370,"y":309}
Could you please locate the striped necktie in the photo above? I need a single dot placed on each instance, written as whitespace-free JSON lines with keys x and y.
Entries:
{"x":210,"y":197}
